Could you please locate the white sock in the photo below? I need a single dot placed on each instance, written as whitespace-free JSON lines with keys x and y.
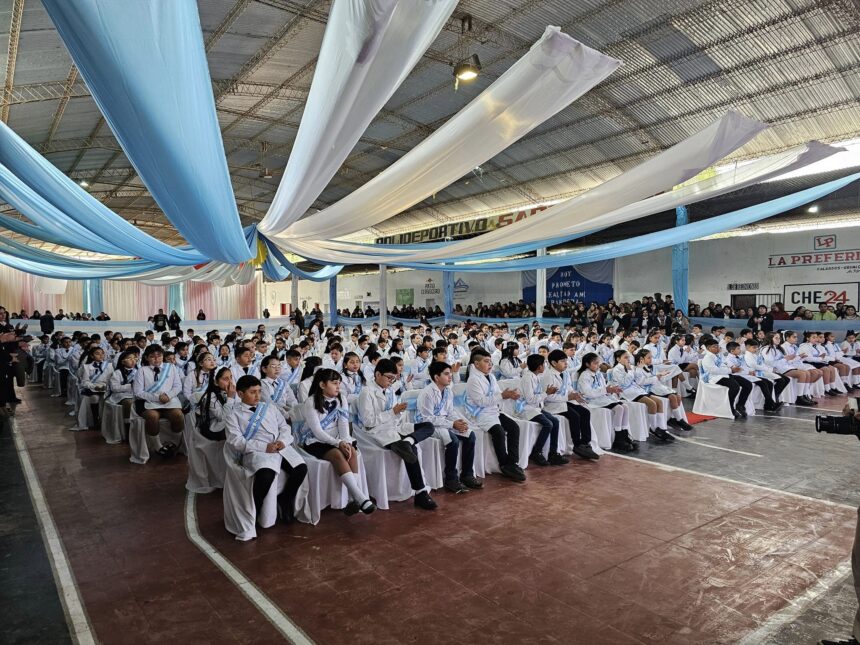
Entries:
{"x":409,"y":440}
{"x":802,"y":388}
{"x":677,"y":414}
{"x":652,"y":421}
{"x":351,"y":482}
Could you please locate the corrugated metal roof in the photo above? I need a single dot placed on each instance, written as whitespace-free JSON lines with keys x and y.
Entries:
{"x":793,"y":63}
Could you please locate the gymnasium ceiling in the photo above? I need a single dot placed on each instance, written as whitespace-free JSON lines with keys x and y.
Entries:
{"x":791,"y":63}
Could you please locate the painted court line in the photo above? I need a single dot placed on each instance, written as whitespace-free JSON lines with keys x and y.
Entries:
{"x":798,"y":605}
{"x":707,"y":445}
{"x":76,"y":616}
{"x":656,"y":464}
{"x":288,"y":629}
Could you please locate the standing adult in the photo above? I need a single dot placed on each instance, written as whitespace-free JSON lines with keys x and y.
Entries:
{"x":46,"y":322}
{"x":201,"y":315}
{"x":761,"y":320}
{"x":266,"y":313}
{"x":173,"y":321}
{"x":159,"y":321}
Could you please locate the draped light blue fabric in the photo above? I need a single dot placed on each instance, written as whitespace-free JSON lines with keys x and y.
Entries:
{"x":278,"y":267}
{"x":448,"y":292}
{"x":681,"y":264}
{"x":352,"y":322}
{"x":35,"y":232}
{"x":65,"y":211}
{"x":736,"y":324}
{"x":145,"y":64}
{"x":332,"y":300}
{"x":93,"y":297}
{"x":660,"y":239}
{"x":176,"y":298}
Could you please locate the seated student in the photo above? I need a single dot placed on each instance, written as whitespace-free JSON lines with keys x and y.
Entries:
{"x":436,"y":406}
{"x":196,"y":382}
{"x":312,"y":365}
{"x":353,"y":379}
{"x":510,"y":365}
{"x":483,"y":397}
{"x":213,"y":409}
{"x":656,"y":388}
{"x":291,"y":369}
{"x":381,"y":415}
{"x":672,"y":373}
{"x":816,"y":356}
{"x":563,"y":399}
{"x":530,"y":407}
{"x":440,"y":355}
{"x":224,"y":358}
{"x":777,"y":361}
{"x":419,"y":375}
{"x":157,"y":386}
{"x":496,"y":353}
{"x":606,"y":353}
{"x":368,"y":362}
{"x":456,"y":352}
{"x":681,"y":354}
{"x":624,"y":376}
{"x":848,"y":367}
{"x":798,"y":359}
{"x":94,"y":376}
{"x":263,"y":440}
{"x":716,"y":371}
{"x":592,"y":384}
{"x":326,"y":415}
{"x":274,"y":390}
{"x":62,"y":357}
{"x":120,"y":386}
{"x":334,"y":358}
{"x":851,"y":346}
{"x":770,"y":383}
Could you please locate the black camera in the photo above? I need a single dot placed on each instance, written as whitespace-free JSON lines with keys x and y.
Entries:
{"x":837,"y":425}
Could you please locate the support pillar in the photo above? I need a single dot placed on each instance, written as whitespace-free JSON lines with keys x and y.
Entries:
{"x":332,"y":301}
{"x":383,"y":296}
{"x":681,"y":265}
{"x":540,"y":287}
{"x":448,"y":294}
{"x":294,"y":293}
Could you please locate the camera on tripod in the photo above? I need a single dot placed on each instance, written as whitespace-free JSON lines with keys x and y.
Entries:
{"x":845,"y":424}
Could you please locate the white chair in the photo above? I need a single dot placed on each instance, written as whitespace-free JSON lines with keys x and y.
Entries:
{"x":206,"y":464}
{"x":114,"y":427}
{"x":713,"y":400}
{"x":85,"y":413}
{"x":142,"y":445}
{"x":72,"y":394}
{"x":49,"y":375}
{"x":638,"y":417}
{"x":789,"y":394}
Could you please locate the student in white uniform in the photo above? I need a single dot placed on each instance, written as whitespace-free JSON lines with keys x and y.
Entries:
{"x":717,"y":372}
{"x":381,"y":415}
{"x":312,"y":365}
{"x":196,"y":382}
{"x":849,"y":369}
{"x":62,"y":357}
{"x":213,"y":408}
{"x":681,"y":354}
{"x":562,"y":398}
{"x":353,"y":379}
{"x":274,"y":390}
{"x":223,"y":357}
{"x":440,"y":355}
{"x":598,"y":394}
{"x":334,"y":359}
{"x":772,"y":382}
{"x":95,"y":376}
{"x":510,"y":365}
{"x":326,"y":415}
{"x":851,"y":346}
{"x":436,"y":406}
{"x":483,"y":400}
{"x":530,"y":407}
{"x":651,"y":382}
{"x":263,"y":439}
{"x":291,"y":369}
{"x":157,"y":386}
{"x":120,"y":386}
{"x":456,"y":352}
{"x":419,"y":369}
{"x":813,"y":354}
{"x":775,"y":358}
{"x":624,"y":376}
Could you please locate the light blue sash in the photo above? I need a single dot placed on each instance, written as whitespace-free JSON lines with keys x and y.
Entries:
{"x":162,"y":378}
{"x":280,"y":387}
{"x":255,"y":422}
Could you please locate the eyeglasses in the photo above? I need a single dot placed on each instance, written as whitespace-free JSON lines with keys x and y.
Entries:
{"x":390,"y":377}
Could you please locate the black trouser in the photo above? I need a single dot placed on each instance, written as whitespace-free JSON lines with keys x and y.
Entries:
{"x":779,"y":385}
{"x":453,"y":449}
{"x":40,"y":371}
{"x":420,"y":432}
{"x":579,"y":419}
{"x":548,"y":430}
{"x":64,"y":382}
{"x":508,"y":455}
{"x":766,"y":388}
{"x":739,"y":390}
{"x":265,"y":477}
{"x":773,"y":389}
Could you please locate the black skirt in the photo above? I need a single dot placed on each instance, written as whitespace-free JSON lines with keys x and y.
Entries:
{"x":320,"y":450}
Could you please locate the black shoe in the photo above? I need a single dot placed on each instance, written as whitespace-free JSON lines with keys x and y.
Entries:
{"x":455,"y":486}
{"x":831,"y":392}
{"x":423,"y":500}
{"x":850,"y":641}
{"x":352,"y":508}
{"x":736,"y":414}
{"x":511,"y":472}
{"x":538,"y":459}
{"x":557,"y":459}
{"x":368,"y":506}
{"x":777,"y":406}
{"x":403,"y":449}
{"x":692,"y":393}
{"x":742,"y":414}
{"x":836,"y":392}
{"x":585,"y":452}
{"x":684,"y":425}
{"x":675,"y":424}
{"x":661,"y":435}
{"x":805,"y":401}
{"x":470,"y":482}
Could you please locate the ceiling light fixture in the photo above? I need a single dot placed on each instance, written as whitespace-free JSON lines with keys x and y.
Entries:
{"x":83,"y":183}
{"x":467,"y":70}
{"x":812,"y":209}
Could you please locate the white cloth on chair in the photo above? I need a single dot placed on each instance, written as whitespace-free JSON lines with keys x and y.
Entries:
{"x":113,"y":428}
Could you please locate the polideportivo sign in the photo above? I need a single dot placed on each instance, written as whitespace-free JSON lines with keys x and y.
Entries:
{"x":460,"y":229}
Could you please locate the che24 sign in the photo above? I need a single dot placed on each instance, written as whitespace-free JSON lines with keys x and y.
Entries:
{"x":845,"y":293}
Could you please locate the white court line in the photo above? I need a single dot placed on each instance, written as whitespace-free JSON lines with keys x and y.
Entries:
{"x":797,"y":606}
{"x":76,"y":616}
{"x":707,"y":445}
{"x":288,"y":629}
{"x":731,"y":481}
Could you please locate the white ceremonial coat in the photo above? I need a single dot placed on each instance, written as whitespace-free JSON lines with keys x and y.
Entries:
{"x":171,"y":386}
{"x":252,"y":450}
{"x":592,"y":386}
{"x":377,"y":416}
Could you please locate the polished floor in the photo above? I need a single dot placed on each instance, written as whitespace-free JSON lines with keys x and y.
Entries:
{"x":741,"y":533}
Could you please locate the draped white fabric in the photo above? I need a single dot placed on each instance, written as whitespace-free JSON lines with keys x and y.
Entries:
{"x":602,"y":271}
{"x":555,"y":72}
{"x":369,"y":48}
{"x":50,"y":286}
{"x":591,"y":209}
